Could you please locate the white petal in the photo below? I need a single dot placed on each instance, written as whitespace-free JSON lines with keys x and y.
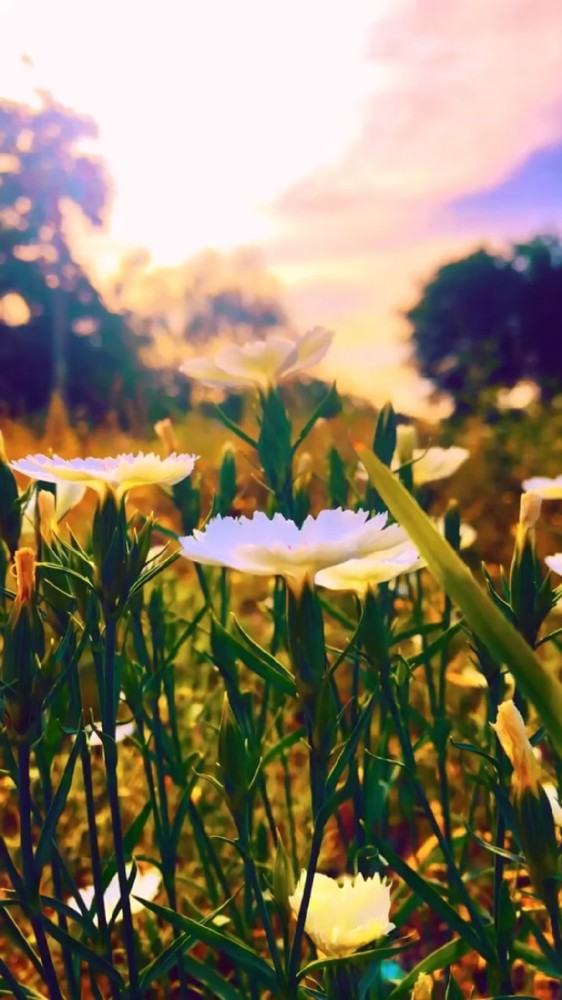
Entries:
{"x":554,"y":563}
{"x":548,"y":489}
{"x":311,"y":348}
{"x":432,"y":464}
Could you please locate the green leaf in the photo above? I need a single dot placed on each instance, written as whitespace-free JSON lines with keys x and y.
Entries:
{"x":285,"y":743}
{"x":231,"y":946}
{"x":538,"y":684}
{"x":350,"y":747}
{"x":225,"y":419}
{"x":370,"y":955}
{"x":326,"y":403}
{"x":211,"y":979}
{"x":57,"y":805}
{"x":256,"y":659}
{"x":80,"y":950}
{"x":448,"y":954}
{"x":164,"y":961}
{"x":435,"y":901}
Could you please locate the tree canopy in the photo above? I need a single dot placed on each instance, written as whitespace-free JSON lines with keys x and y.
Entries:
{"x":64,"y":336}
{"x":492,"y":320}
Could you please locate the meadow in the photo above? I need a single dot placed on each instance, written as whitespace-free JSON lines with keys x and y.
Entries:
{"x":270,"y":728}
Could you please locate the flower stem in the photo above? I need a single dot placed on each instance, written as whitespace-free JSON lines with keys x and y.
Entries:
{"x":295,"y":955}
{"x":110,"y":756}
{"x":30,"y":875}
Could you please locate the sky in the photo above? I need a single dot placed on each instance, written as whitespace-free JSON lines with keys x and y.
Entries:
{"x":358,"y":144}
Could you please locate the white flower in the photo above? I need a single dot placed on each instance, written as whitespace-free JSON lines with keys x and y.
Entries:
{"x":346,"y":915}
{"x":146,"y":884}
{"x":547,"y":489}
{"x":260,"y":364}
{"x":276,"y":546}
{"x":122,"y":732}
{"x":431,"y":464}
{"x":392,"y":555}
{"x":68,"y":496}
{"x":555,"y":563}
{"x":121,"y":473}
{"x":552,"y":794}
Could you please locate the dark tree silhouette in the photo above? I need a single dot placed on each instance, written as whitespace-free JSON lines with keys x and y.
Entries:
{"x":488,"y":321}
{"x":71,"y":342}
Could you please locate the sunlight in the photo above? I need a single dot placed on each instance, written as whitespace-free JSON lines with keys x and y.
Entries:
{"x":206,"y":114}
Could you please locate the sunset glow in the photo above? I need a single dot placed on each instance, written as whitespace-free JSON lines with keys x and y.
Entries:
{"x":341,"y":139}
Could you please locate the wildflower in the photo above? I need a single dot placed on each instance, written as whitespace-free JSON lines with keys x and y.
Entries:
{"x":276,"y":546}
{"x":146,"y":884}
{"x":344,"y":915}
{"x":120,"y":474}
{"x":547,"y":489}
{"x":68,"y":496}
{"x":260,"y":364}
{"x":432,"y":464}
{"x":510,"y":730}
{"x":393,"y":555}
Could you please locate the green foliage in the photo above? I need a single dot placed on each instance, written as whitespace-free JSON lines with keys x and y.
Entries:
{"x":491,"y":320}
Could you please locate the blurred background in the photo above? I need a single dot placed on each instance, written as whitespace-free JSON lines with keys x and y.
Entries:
{"x":180,"y":174}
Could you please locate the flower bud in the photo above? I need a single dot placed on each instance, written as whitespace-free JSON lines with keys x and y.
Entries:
{"x":406,"y":442}
{"x":274,"y":445}
{"x":525,"y":579}
{"x":165,"y":431}
{"x":423,"y":989}
{"x":46,"y":507}
{"x":305,"y":634}
{"x":227,"y":481}
{"x":10,"y":512}
{"x":510,"y":730}
{"x":24,"y":648}
{"x":233,"y":763}
{"x":283,"y":878}
{"x":530,"y":510}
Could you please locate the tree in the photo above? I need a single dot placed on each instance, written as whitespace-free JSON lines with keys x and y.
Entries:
{"x":69,"y":341}
{"x":491,"y":320}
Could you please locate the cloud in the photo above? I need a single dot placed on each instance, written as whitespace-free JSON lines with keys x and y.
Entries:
{"x":471,"y":92}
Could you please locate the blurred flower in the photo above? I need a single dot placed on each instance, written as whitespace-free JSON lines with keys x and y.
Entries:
{"x":121,"y":473}
{"x":468,"y":534}
{"x":260,"y":364}
{"x":344,"y":915}
{"x":276,"y":546}
{"x":122,"y":732}
{"x":68,"y":496}
{"x":392,"y":555}
{"x":547,"y":489}
{"x":510,"y":730}
{"x":553,"y":797}
{"x":431,"y":464}
{"x":554,"y":563}
{"x":146,"y":884}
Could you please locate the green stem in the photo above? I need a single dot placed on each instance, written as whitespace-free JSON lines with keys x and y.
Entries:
{"x":252,"y":877}
{"x":110,"y":757}
{"x":30,"y":875}
{"x":295,"y":954}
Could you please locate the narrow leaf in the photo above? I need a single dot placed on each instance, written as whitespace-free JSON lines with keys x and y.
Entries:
{"x":540,"y":685}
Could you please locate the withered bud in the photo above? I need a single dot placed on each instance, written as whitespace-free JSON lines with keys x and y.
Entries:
{"x":25,"y":575}
{"x":165,"y":431}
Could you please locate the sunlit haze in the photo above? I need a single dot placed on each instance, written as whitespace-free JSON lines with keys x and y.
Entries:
{"x":342,"y":139}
